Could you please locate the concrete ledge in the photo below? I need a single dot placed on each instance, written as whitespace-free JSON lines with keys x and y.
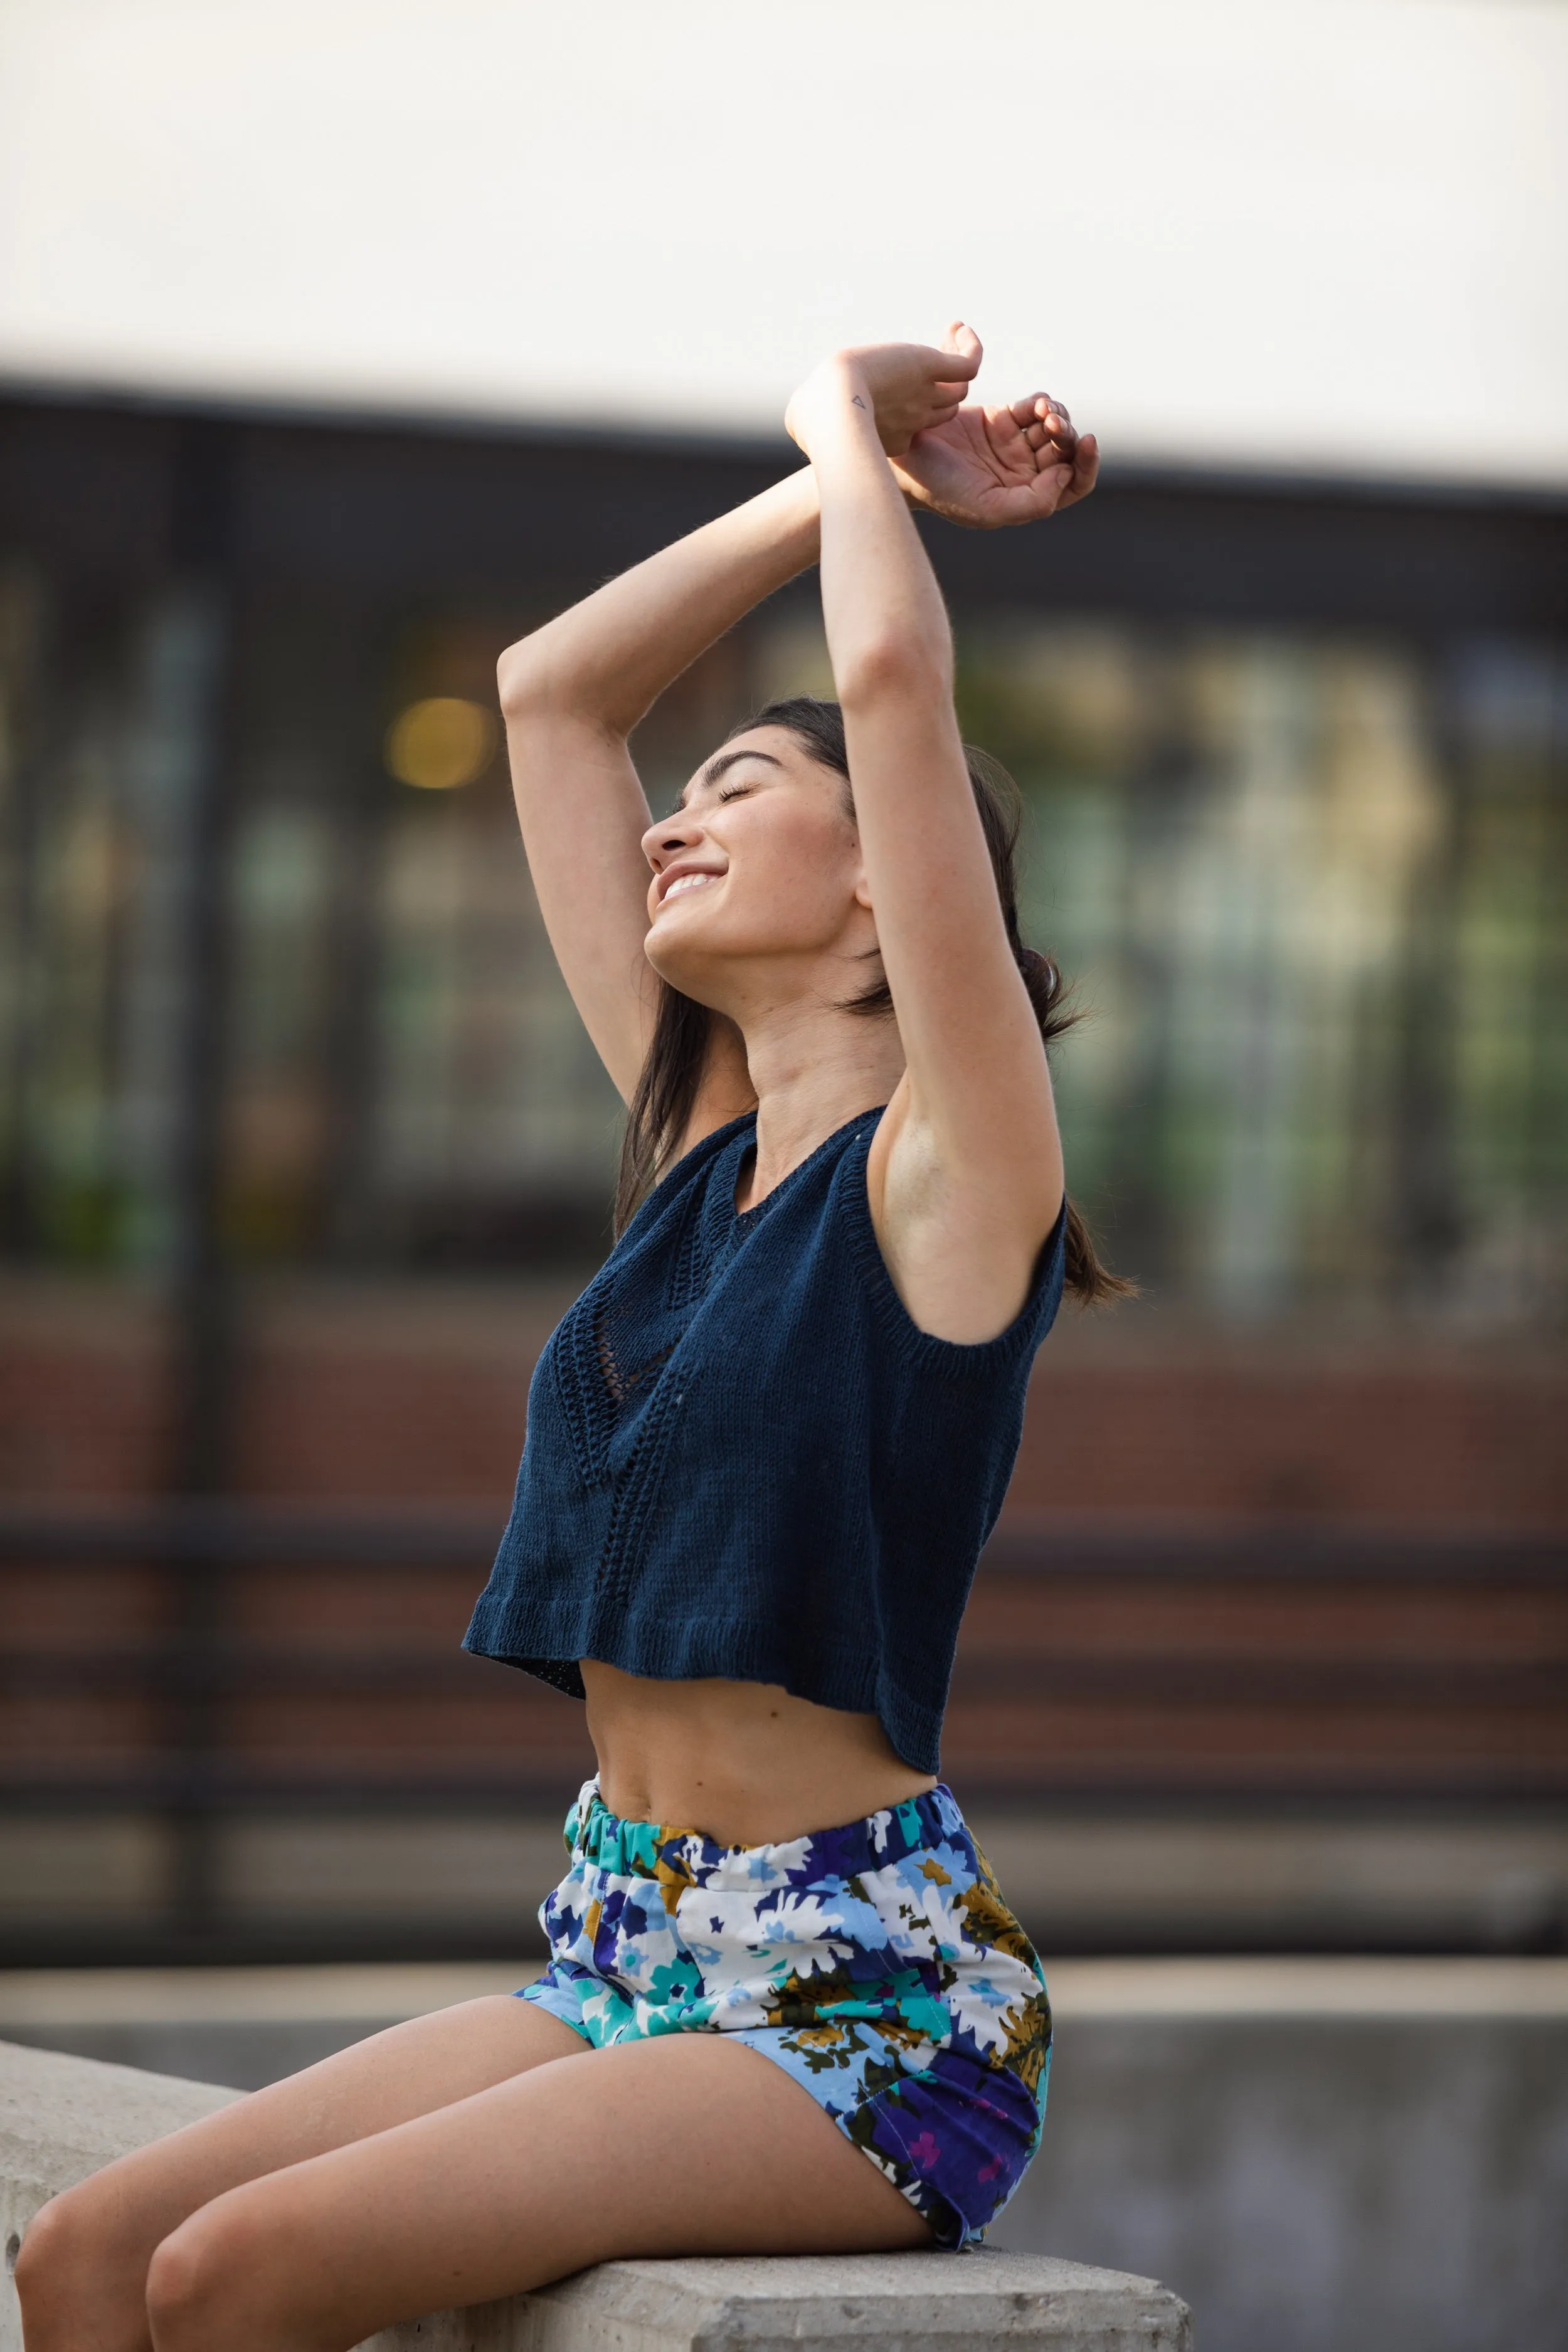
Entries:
{"x":819,"y":2302}
{"x":61,"y":2118}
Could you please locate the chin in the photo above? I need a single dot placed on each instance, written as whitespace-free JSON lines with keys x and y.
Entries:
{"x":693,"y":973}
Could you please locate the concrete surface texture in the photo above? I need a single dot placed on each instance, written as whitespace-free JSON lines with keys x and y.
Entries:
{"x":61,"y":2118}
{"x":892,"y":2303}
{"x":1320,"y":2156}
{"x":1317,"y":2184}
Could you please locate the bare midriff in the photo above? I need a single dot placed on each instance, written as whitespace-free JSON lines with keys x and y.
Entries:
{"x":744,"y":1762}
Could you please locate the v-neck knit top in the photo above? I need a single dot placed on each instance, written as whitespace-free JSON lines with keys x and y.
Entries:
{"x":745,"y":1459}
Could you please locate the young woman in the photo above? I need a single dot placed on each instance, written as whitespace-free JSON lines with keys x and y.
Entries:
{"x":763,"y":1452}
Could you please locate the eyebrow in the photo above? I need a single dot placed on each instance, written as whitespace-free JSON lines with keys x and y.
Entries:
{"x":720,"y":764}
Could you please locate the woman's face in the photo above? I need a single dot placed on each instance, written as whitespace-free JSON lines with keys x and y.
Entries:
{"x":759,"y":867}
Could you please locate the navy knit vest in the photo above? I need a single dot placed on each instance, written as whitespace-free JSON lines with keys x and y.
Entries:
{"x":745,"y":1460}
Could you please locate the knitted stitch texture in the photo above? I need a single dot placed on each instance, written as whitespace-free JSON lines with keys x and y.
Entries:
{"x":745,"y":1459}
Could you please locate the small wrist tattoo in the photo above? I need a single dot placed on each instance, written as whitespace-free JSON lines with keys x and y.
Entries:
{"x":857,"y":399}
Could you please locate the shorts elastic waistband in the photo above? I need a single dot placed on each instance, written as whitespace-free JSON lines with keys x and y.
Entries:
{"x":632,"y":1849}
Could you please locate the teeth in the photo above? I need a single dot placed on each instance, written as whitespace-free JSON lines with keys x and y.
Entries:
{"x":689,"y":882}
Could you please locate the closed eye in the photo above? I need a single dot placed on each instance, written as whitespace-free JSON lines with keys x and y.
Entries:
{"x":733,"y":793}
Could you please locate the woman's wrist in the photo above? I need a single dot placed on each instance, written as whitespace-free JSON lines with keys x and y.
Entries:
{"x":798,"y":504}
{"x":835,"y":399}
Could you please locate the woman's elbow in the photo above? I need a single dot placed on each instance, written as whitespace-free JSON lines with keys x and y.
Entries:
{"x":890,"y":668}
{"x":521,"y":677}
{"x":543,"y":678}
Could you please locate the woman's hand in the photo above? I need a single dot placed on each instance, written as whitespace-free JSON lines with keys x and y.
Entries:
{"x":987,"y":467}
{"x":907,"y":389}
{"x":984,"y":467}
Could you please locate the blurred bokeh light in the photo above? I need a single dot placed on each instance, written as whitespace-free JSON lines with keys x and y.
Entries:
{"x":441,"y":742}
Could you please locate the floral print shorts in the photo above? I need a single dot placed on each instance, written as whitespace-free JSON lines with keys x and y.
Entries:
{"x":877,"y":1964}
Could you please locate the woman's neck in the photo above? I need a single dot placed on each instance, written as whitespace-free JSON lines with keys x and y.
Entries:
{"x":812,"y":1075}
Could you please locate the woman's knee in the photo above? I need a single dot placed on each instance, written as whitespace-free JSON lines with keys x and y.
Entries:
{"x":186,"y":2280}
{"x":41,"y":2257}
{"x":55,"y":2246}
{"x":216,"y":2278}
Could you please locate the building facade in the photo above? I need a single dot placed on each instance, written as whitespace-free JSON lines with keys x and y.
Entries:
{"x":303,"y":1147}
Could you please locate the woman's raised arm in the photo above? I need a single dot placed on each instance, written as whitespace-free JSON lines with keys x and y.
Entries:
{"x":572,"y":693}
{"x":966,"y":1171}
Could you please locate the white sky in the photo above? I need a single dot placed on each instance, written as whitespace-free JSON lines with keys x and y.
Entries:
{"x":1332,"y":237}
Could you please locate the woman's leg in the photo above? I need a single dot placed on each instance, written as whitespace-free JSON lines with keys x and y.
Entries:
{"x":82,"y":2271}
{"x":688,"y":2143}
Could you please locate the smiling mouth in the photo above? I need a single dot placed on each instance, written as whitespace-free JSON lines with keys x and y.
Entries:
{"x":685,"y":882}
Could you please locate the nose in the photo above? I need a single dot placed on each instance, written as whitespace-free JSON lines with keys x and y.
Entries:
{"x":669,"y":836}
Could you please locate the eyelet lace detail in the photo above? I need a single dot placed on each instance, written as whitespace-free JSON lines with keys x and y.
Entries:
{"x":619,"y":1384}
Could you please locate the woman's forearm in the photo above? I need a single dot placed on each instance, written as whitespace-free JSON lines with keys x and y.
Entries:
{"x":882,"y":607}
{"x":609,"y":658}
{"x":963,"y":1017}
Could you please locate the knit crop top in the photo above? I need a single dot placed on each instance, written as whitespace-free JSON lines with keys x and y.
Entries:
{"x":745,"y":1459}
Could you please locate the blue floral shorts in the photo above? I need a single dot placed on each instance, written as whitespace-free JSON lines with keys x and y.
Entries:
{"x":877,"y":1964}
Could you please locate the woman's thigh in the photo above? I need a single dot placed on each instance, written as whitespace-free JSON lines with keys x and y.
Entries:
{"x":91,"y":2248}
{"x":686,"y":2143}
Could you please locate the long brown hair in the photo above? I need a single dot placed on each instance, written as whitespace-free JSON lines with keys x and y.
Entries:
{"x":661,"y":1106}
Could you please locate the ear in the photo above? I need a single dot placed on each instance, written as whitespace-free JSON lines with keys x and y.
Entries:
{"x":863,"y":891}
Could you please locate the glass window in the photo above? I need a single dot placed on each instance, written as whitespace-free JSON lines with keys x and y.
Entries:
{"x":1307,"y":890}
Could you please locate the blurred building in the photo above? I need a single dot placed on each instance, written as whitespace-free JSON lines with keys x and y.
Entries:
{"x":304,"y":1149}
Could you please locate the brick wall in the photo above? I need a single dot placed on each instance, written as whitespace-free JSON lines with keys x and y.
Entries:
{"x":368,"y":1391}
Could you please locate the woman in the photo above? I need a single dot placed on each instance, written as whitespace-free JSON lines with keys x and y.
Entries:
{"x":763,"y":1452}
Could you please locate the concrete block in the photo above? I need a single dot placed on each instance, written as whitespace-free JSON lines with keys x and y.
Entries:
{"x":61,"y":2118}
{"x":819,"y":2302}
